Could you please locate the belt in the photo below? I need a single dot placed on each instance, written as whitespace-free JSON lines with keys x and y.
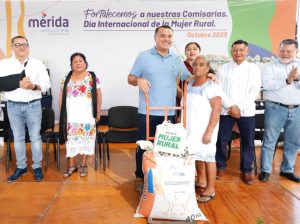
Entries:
{"x":20,"y":102}
{"x":287,"y":106}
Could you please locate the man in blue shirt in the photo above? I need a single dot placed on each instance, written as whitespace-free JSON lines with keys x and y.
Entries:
{"x":280,"y":81}
{"x":155,"y":72}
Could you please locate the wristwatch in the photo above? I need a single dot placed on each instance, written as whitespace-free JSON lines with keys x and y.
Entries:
{"x":287,"y":82}
{"x":35,"y":87}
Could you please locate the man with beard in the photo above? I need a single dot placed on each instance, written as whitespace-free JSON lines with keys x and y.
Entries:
{"x":280,"y":80}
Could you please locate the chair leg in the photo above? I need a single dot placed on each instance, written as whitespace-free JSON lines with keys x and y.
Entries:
{"x":255,"y":162}
{"x":103,"y":153}
{"x":58,"y":154}
{"x":107,"y":150}
{"x":100,"y":150}
{"x":96,"y":153}
{"x":47,"y":154}
{"x":54,"y":151}
{"x":229,"y":149}
{"x":8,"y":155}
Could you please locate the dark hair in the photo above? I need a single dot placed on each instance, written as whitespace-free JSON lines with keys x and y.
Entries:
{"x":186,"y":46}
{"x":160,"y":27}
{"x":18,"y":37}
{"x":240,"y":42}
{"x":80,"y":55}
{"x":288,"y":42}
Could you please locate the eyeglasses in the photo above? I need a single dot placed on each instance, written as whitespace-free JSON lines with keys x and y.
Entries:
{"x":18,"y":45}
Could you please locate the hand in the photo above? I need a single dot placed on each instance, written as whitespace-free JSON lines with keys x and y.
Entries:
{"x":213,"y":77}
{"x":206,"y":139}
{"x":292,"y":75}
{"x":26,"y":83}
{"x":143,"y":84}
{"x":235,"y":112}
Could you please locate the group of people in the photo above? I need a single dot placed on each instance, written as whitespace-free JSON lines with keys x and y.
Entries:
{"x":215,"y":102}
{"x":80,"y":107}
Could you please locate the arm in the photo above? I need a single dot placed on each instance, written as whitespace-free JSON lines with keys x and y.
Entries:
{"x":215,"y":104}
{"x":179,"y":90}
{"x":226,"y":102}
{"x":143,"y":84}
{"x":42,"y":82}
{"x":275,"y":76}
{"x":99,"y":103}
{"x":60,"y":98}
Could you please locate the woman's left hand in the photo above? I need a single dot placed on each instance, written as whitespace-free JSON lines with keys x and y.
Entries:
{"x":206,"y":139}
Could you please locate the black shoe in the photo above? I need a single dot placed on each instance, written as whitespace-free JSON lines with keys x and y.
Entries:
{"x":264,"y":176}
{"x":290,"y":176}
{"x":38,"y":174}
{"x":18,"y":173}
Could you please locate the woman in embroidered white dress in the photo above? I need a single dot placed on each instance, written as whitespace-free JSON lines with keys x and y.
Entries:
{"x":203,"y":112}
{"x":78,"y":97}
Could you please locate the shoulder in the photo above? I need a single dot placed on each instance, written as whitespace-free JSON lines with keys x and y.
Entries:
{"x":214,"y":89}
{"x":253,"y":67}
{"x":35,"y":60}
{"x":224,"y":67}
{"x":7,"y":61}
{"x":270,"y":65}
{"x":92,"y":74}
{"x":147,"y":52}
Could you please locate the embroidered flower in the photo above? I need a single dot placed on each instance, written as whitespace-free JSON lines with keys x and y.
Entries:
{"x":74,"y":92}
{"x":82,"y":88}
{"x":89,"y":95}
{"x":92,"y":131}
{"x":80,"y":131}
{"x":87,"y":127}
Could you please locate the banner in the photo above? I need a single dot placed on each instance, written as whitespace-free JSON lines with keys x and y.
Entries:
{"x":112,"y":33}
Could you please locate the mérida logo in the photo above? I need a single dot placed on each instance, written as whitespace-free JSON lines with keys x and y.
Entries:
{"x":46,"y":21}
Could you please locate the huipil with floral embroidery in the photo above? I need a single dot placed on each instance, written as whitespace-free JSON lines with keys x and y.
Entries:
{"x":81,"y":126}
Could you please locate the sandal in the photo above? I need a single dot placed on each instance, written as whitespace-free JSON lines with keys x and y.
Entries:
{"x":83,"y":171}
{"x":204,"y":198}
{"x":70,"y":171}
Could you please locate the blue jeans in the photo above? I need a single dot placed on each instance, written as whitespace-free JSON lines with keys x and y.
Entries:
{"x":247,"y":131}
{"x":277,"y":118}
{"x":20,"y":115}
{"x":153,"y":122}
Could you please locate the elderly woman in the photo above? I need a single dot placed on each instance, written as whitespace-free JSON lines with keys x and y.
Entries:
{"x":80,"y":103}
{"x":203,"y":112}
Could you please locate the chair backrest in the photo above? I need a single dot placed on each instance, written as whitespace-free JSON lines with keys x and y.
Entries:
{"x":125,"y":117}
{"x":259,"y":121}
{"x":48,"y":119}
{"x":259,"y":104}
{"x":5,"y":122}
